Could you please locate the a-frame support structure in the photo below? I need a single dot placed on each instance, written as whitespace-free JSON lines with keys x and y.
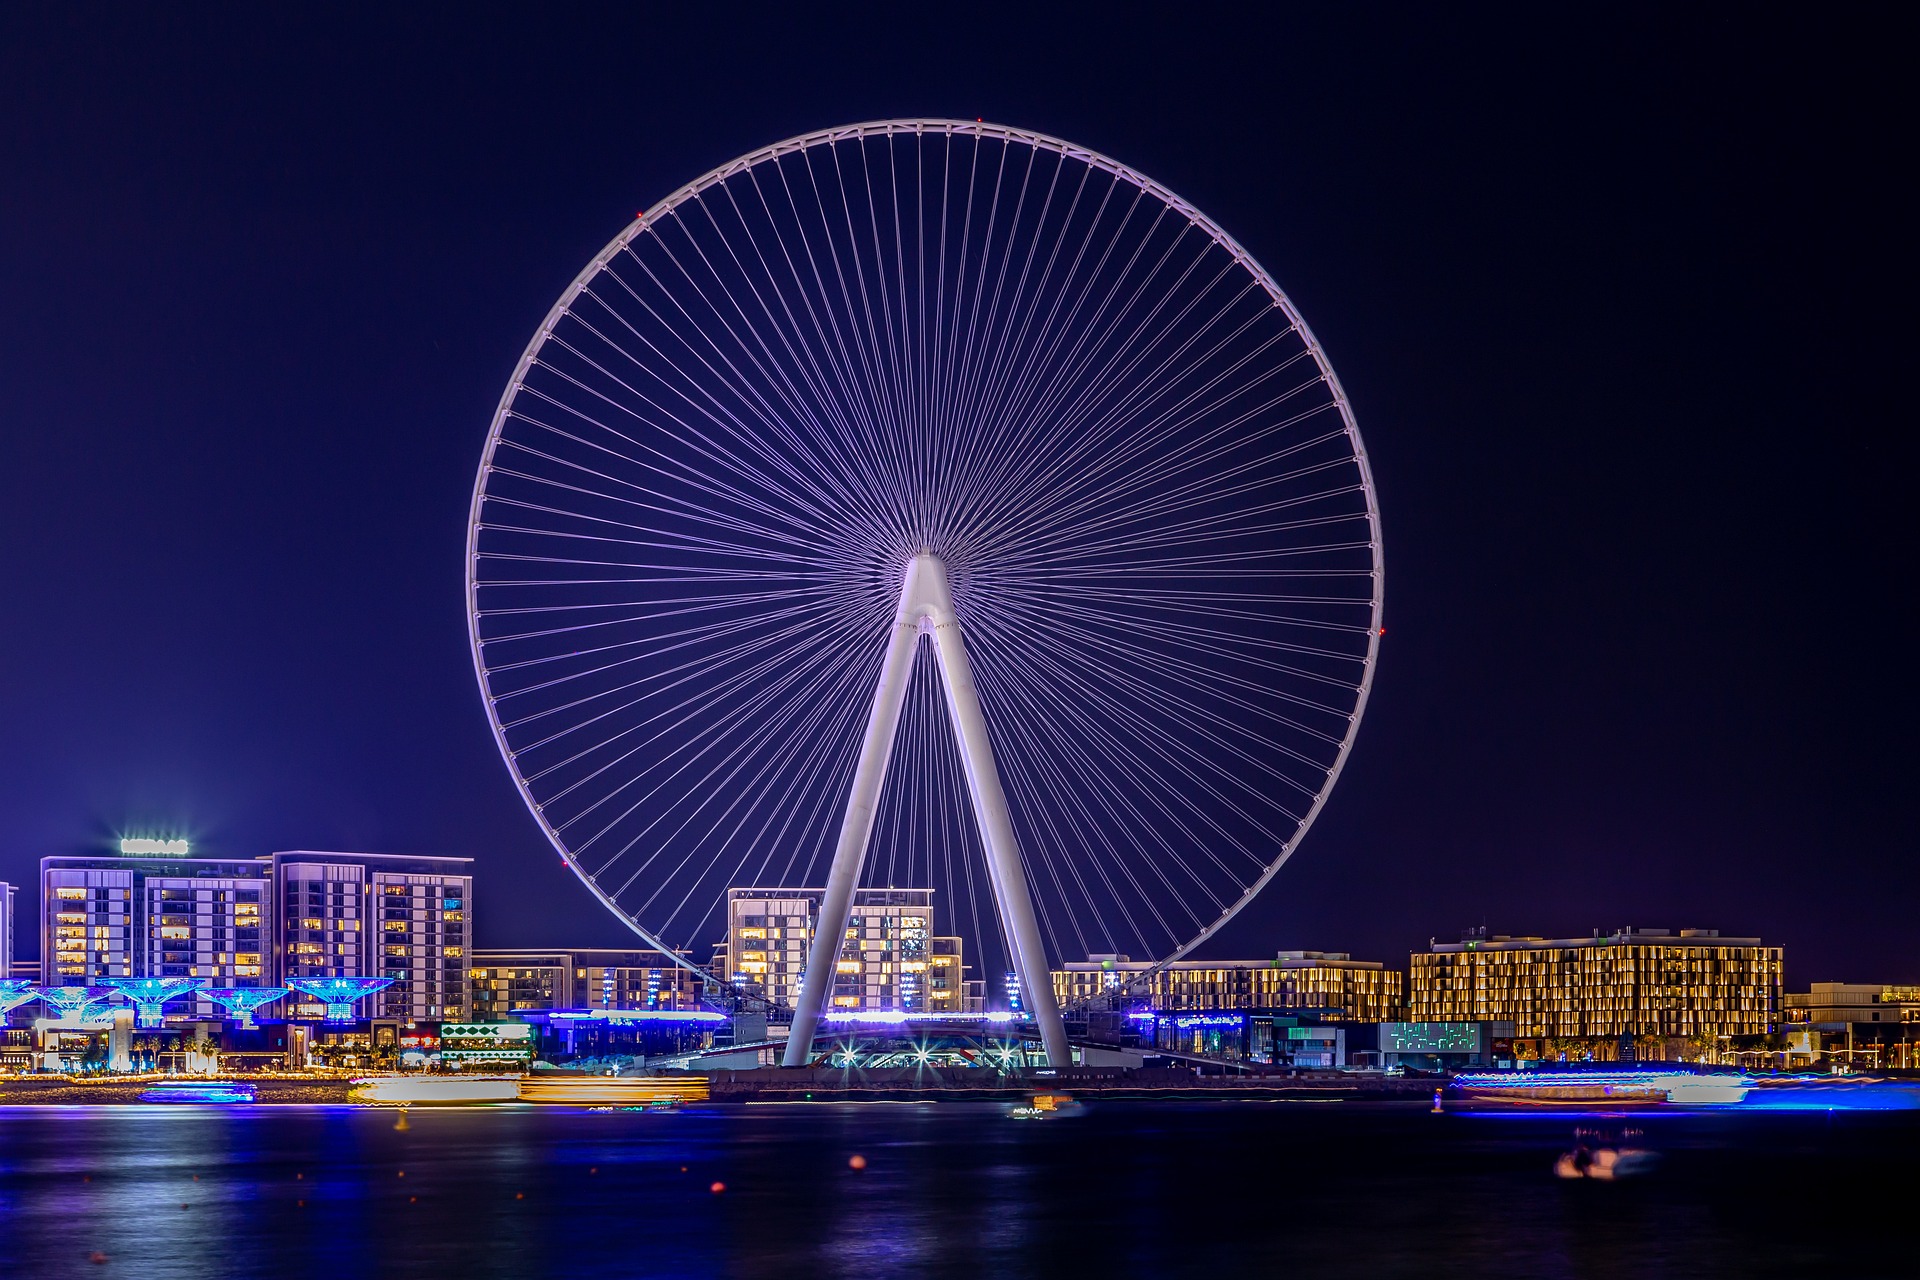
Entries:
{"x":926,"y":608}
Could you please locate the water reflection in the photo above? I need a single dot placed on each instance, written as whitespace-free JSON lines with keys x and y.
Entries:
{"x":1210,"y":1189}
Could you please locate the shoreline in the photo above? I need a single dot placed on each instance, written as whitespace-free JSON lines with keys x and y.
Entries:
{"x":776,"y":1086}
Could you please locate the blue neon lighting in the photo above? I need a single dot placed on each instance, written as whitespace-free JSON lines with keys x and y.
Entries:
{"x":636,"y":1015}
{"x":215,"y":1092}
{"x":339,"y":994}
{"x":894,"y":1018}
{"x":240,"y":1002}
{"x":150,"y":995}
{"x":77,"y":1003}
{"x":1187,"y":1021}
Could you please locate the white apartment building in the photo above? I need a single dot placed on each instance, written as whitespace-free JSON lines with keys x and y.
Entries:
{"x":890,"y":959}
{"x":139,"y":917}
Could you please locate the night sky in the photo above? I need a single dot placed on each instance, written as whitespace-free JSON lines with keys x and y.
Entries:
{"x":1624,"y":310}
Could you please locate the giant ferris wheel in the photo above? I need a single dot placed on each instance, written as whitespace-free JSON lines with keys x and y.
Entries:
{"x":927,"y":503}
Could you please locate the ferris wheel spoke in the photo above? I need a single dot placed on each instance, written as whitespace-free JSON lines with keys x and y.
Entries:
{"x":1170,"y":668}
{"x":1029,"y":791}
{"x":985,"y":344}
{"x":650,"y":646}
{"x":689,"y":436}
{"x":749,"y":794}
{"x":819,"y":409}
{"x":1153,"y":734}
{"x":676,"y":715}
{"x":697,"y":392}
{"x":1138,"y":463}
{"x":1079,"y":369}
{"x":684,"y":511}
{"x":1216,"y":684}
{"x":855,"y":368}
{"x":891,"y":377}
{"x":1045,"y":741}
{"x":1066,"y":420}
{"x":1088,"y":346}
{"x":735,"y":742}
{"x":851,"y":411}
{"x":844,"y":478}
{"x":1011,"y":365}
{"x":742,"y":728}
{"x":859,"y":319}
{"x":1142,"y":470}
{"x":706,"y":659}
{"x":686,"y":528}
{"x":733,"y":551}
{"x":664,"y":468}
{"x":1034,"y":370}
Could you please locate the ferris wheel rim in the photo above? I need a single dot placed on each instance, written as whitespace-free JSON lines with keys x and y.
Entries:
{"x":647,"y":218}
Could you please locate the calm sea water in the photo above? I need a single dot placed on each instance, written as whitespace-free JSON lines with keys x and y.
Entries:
{"x":1212,"y":1189}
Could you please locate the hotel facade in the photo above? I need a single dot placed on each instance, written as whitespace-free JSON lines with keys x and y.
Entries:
{"x":1694,"y":985}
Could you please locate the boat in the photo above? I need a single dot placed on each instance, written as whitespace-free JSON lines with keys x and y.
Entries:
{"x":1042,"y":1105}
{"x":1649,"y":1088}
{"x":202,"y":1092}
{"x":405,"y":1091}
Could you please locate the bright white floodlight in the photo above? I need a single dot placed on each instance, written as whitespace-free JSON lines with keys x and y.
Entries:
{"x":945,"y":381}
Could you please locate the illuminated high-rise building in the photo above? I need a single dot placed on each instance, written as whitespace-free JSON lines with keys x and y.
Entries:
{"x":890,"y":960}
{"x":1634,"y":982}
{"x":371,"y":915}
{"x":155,"y":917}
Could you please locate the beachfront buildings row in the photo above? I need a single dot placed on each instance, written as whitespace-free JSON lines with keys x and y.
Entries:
{"x":261,"y":921}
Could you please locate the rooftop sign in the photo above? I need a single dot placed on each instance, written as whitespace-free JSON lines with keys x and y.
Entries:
{"x":169,"y":848}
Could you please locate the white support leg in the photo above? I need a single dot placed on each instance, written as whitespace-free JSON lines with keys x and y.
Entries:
{"x":925,"y":598}
{"x":1008,"y":874}
{"x":836,"y":905}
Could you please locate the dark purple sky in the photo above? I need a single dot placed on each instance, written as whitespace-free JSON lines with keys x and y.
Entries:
{"x":1625,"y":312}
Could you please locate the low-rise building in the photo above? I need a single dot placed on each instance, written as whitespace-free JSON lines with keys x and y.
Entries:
{"x":1436,"y":1046}
{"x":506,"y":983}
{"x":1631,"y":986}
{"x":1866,"y":1025}
{"x":1359,"y":990}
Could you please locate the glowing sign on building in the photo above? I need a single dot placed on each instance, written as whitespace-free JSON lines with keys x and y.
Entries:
{"x":163,"y":848}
